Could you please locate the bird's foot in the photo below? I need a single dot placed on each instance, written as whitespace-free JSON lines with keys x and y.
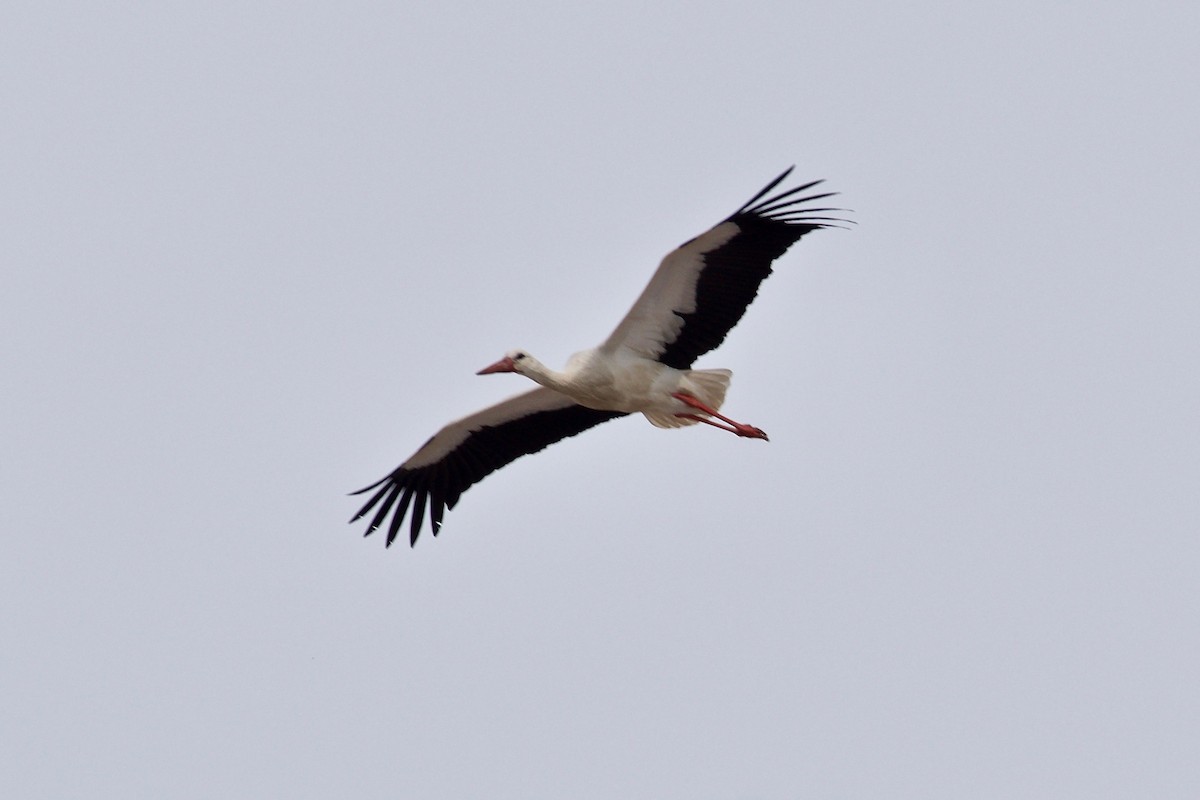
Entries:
{"x":750,"y":432}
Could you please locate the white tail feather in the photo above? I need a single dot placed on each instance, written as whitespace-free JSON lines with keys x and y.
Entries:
{"x":706,"y":385}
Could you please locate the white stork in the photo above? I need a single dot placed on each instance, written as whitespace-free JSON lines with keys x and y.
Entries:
{"x":700,"y":291}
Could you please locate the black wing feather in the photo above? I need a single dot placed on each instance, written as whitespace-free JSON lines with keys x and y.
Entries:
{"x":485,"y":450}
{"x":398,"y":517}
{"x":733,"y":271}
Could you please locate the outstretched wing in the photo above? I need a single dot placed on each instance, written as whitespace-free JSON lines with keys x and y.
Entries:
{"x":464,"y":452}
{"x":703,"y":287}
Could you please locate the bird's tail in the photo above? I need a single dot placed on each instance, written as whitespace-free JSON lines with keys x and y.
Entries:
{"x":706,"y":385}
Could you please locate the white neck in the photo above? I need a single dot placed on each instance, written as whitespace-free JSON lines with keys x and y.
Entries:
{"x":539,"y":373}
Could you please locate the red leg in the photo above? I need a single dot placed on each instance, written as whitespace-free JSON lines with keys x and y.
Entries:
{"x":708,"y":421}
{"x":741,"y":429}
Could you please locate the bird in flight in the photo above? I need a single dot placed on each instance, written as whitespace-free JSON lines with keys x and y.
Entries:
{"x":699,"y":292}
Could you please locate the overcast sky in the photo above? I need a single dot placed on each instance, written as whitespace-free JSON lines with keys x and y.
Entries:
{"x":253,"y":254}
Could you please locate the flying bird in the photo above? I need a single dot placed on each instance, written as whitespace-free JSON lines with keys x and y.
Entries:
{"x":699,"y":292}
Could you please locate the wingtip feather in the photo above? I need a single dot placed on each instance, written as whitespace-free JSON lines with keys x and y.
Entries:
{"x":766,"y":189}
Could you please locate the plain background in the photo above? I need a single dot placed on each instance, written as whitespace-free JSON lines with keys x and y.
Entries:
{"x":253,"y":254}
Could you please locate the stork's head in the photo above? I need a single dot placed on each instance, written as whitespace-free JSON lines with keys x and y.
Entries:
{"x":513,"y":361}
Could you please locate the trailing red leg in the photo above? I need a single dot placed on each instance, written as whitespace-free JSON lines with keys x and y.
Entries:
{"x":740,"y":428}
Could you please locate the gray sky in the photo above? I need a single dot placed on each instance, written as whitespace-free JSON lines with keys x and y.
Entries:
{"x":254,"y":253}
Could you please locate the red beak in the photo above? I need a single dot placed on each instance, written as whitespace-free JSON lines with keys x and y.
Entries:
{"x":503,"y":365}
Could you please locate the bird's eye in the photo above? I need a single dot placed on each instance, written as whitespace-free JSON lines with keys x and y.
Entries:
{"x":518,"y":356}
